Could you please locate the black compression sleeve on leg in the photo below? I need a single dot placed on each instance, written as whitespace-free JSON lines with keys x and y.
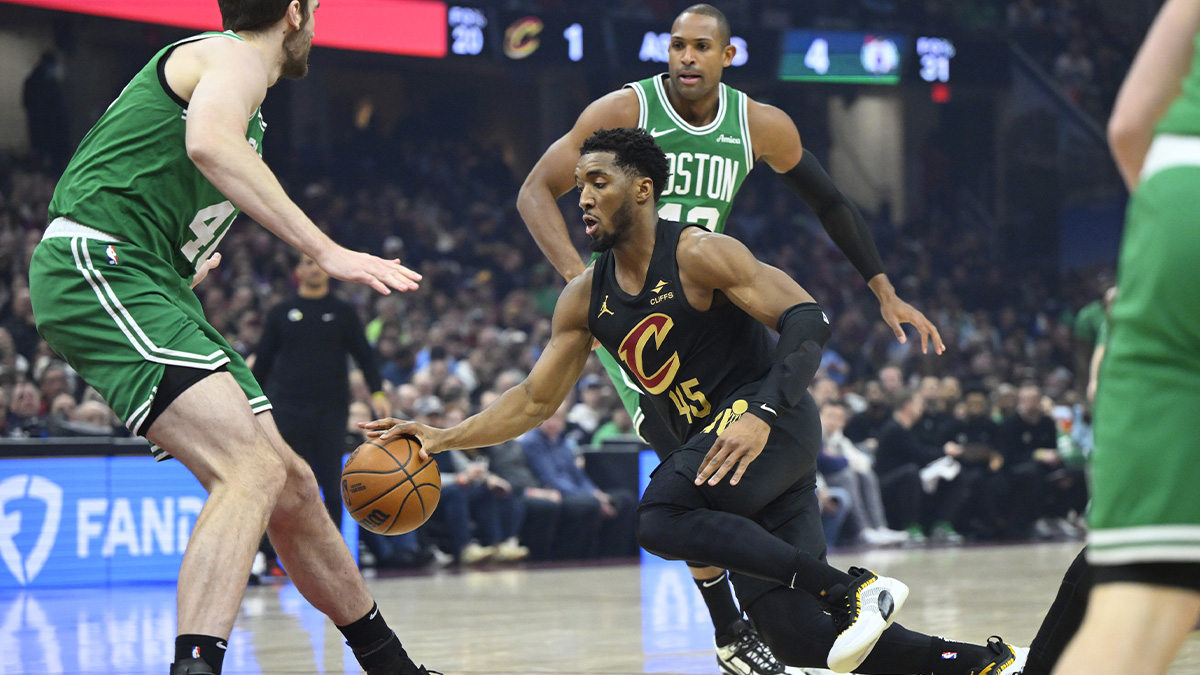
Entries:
{"x":733,"y":542}
{"x":949,"y":657}
{"x":800,"y":634}
{"x":803,"y":332}
{"x":838,"y":216}
{"x":1063,"y":619}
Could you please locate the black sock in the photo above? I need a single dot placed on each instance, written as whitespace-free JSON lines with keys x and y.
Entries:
{"x":207,"y":647}
{"x":718,"y":596}
{"x":372,"y":628}
{"x":818,"y":578}
{"x":947,"y":657}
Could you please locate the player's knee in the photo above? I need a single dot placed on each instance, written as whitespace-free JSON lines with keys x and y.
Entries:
{"x":655,"y":532}
{"x":263,"y":474}
{"x":301,"y":481}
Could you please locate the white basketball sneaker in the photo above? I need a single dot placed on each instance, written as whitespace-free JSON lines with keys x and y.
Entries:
{"x":745,"y":653}
{"x":869,"y":607}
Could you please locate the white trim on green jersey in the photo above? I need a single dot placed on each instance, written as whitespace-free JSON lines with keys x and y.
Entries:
{"x":722,"y":106}
{"x":708,"y":163}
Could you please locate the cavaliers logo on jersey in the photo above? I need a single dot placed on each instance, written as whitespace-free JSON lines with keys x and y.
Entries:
{"x":635,"y":345}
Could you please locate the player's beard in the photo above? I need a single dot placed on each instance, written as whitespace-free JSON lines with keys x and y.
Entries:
{"x":296,"y":48}
{"x":622,"y":220}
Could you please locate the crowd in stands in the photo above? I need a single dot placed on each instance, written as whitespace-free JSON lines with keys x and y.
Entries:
{"x":937,"y":461}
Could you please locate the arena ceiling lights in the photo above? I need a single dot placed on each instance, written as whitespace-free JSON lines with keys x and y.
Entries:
{"x":406,"y":27}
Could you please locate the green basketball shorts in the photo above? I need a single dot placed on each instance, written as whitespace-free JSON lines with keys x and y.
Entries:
{"x":119,"y":316}
{"x":1146,"y":465}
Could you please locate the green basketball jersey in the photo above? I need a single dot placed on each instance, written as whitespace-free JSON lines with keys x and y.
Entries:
{"x":708,"y":164}
{"x":131,"y":176}
{"x":1183,"y":117}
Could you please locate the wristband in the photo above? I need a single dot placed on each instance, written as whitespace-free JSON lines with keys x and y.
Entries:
{"x":763,"y":412}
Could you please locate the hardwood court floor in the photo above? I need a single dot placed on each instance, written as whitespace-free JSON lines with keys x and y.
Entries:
{"x":608,"y":620}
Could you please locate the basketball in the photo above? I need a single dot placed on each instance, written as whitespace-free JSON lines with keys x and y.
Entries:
{"x":388,"y":488}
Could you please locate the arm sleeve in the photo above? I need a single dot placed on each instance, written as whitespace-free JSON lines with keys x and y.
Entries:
{"x":360,"y":349}
{"x":268,"y":347}
{"x":803,"y":332}
{"x":838,"y":216}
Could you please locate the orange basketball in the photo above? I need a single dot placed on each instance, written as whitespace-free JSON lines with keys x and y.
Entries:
{"x":388,"y":488}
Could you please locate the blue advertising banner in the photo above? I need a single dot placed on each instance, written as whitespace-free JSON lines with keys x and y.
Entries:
{"x":94,"y":520}
{"x":89,"y":521}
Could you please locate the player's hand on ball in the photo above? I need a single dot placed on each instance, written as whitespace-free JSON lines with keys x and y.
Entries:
{"x":896,"y":311}
{"x":737,"y":447}
{"x":382,"y":275}
{"x":388,"y":428}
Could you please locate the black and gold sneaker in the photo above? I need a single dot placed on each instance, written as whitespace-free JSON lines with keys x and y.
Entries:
{"x":868,"y":608}
{"x":1009,"y":660}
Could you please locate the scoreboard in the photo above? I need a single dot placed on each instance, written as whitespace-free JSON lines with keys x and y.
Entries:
{"x":592,"y":42}
{"x":842,"y":56}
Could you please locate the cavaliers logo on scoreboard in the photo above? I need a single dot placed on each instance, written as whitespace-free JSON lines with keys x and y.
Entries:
{"x":521,"y":37}
{"x":634,"y":348}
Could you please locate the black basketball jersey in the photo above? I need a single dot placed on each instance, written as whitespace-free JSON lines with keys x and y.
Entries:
{"x":686,"y":360}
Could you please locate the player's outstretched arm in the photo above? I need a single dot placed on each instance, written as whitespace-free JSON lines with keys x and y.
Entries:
{"x":526,"y":405}
{"x":1152,"y":84}
{"x":777,"y":142}
{"x":554,"y":175}
{"x":230,"y":84}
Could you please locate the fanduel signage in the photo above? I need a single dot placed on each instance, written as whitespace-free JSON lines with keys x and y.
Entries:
{"x":96,"y":520}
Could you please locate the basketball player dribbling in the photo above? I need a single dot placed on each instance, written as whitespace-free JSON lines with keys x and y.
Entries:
{"x":134,"y":220}
{"x":686,"y":311}
{"x":713,"y":135}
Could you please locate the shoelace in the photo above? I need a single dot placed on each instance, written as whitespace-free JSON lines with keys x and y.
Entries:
{"x":841,"y":615}
{"x":756,"y":652}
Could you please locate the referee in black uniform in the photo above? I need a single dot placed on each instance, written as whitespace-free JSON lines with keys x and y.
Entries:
{"x":303,"y":369}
